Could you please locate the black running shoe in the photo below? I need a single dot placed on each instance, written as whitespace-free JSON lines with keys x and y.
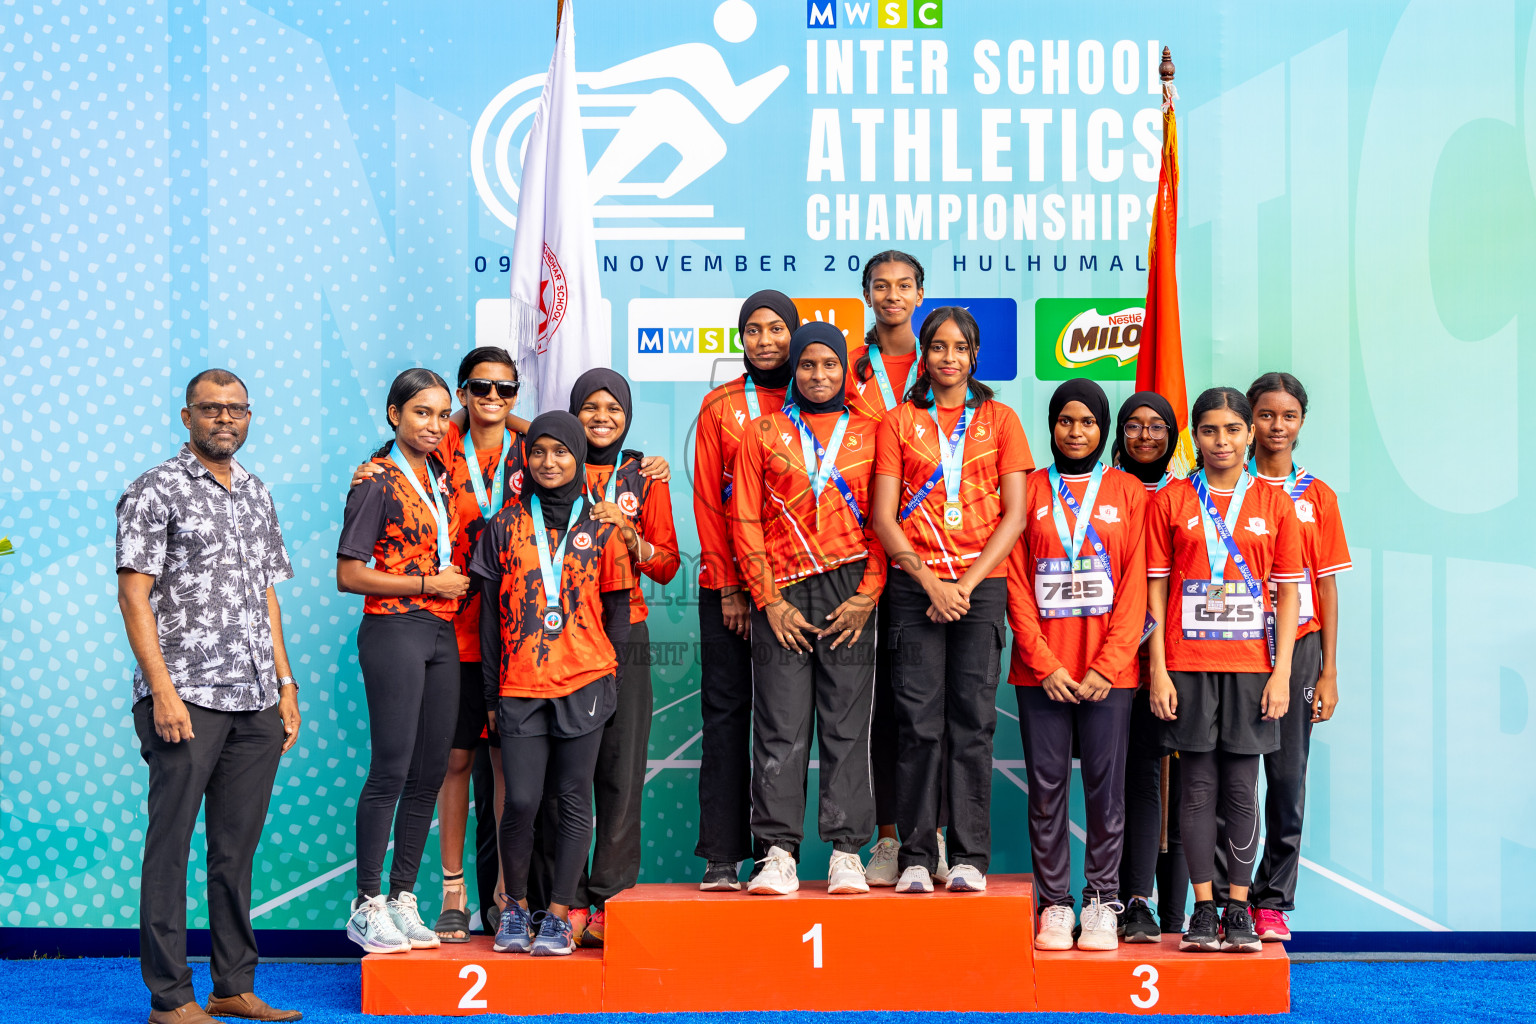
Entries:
{"x":1137,"y":923}
{"x":721,"y":876}
{"x":1238,"y":932}
{"x":1201,"y":936}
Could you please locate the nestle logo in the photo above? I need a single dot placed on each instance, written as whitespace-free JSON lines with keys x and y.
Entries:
{"x":905,"y":14}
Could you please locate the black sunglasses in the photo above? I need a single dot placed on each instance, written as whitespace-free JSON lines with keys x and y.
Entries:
{"x":480,"y":387}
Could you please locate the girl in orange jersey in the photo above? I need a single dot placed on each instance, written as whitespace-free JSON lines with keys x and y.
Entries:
{"x":767,"y":320}
{"x":948,"y":505}
{"x":1221,"y":653}
{"x":1279,"y":410}
{"x":1077,"y":602}
{"x":815,"y":573}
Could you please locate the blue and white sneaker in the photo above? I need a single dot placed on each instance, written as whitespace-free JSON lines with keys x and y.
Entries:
{"x":404,"y":911}
{"x":371,"y":927}
{"x":516,"y":932}
{"x":554,"y":938}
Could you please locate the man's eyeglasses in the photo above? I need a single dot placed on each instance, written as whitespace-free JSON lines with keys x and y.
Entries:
{"x":481,"y":388}
{"x":213,"y":410}
{"x":1156,"y":431}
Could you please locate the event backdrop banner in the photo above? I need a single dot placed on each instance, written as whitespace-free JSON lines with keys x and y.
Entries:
{"x":318,"y":195}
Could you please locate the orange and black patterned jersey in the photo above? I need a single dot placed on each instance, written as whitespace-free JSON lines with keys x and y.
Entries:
{"x":534,"y":664}
{"x":1195,"y":638}
{"x":1323,"y":546}
{"x":909,"y":451}
{"x":864,"y":396}
{"x":384,"y":520}
{"x":781,"y":532}
{"x":647,"y":503}
{"x":466,"y":625}
{"x":723,"y":419}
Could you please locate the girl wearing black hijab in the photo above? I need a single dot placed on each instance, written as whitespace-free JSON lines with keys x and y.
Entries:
{"x":815,"y":571}
{"x":1146,"y":434}
{"x":1077,"y":602}
{"x":554,"y":614}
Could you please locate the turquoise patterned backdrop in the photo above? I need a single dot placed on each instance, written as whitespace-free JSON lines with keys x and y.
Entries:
{"x":318,"y":195}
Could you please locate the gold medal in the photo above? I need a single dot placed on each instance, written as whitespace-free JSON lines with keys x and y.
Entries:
{"x":952,"y":516}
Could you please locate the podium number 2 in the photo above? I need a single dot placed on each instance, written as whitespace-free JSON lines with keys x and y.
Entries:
{"x":1149,"y":985}
{"x":469,"y":1002}
{"x":814,"y":938}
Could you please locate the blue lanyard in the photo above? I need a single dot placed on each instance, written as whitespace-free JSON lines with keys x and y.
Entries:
{"x":755,"y":411}
{"x":952,"y":453}
{"x":1296,"y":483}
{"x":438,"y":511}
{"x":551,"y":567}
{"x":488,"y":506}
{"x":1072,"y":542}
{"x":611,"y":491}
{"x":825,"y":461}
{"x":1164,"y":482}
{"x":1219,"y":544}
{"x":883,"y":380}
{"x":751,"y":396}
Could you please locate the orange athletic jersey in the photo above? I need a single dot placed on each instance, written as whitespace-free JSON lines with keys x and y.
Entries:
{"x":864,"y":397}
{"x":386,"y":521}
{"x":908,"y":450}
{"x":781,"y":532}
{"x":1323,"y":546}
{"x":1270,"y":543}
{"x":648,"y":506}
{"x":1143,"y":655}
{"x":723,"y":420}
{"x":596,"y":561}
{"x":466,"y":625}
{"x":1106,"y":643}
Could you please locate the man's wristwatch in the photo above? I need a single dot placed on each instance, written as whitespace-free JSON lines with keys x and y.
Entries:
{"x":283,"y":681}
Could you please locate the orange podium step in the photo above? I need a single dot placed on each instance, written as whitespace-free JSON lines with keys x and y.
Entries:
{"x":1158,"y":979}
{"x":674,"y":948}
{"x":457,"y":979}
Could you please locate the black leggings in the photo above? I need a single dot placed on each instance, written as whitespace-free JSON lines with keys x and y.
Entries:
{"x":571,"y":764}
{"x":1236,"y":777}
{"x":410,"y":666}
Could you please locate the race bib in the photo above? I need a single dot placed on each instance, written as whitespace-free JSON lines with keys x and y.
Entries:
{"x":1240,"y":617}
{"x":1304,"y":588}
{"x":1059,"y":596}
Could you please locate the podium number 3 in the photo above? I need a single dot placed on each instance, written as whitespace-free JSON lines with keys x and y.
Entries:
{"x":1149,"y":985}
{"x":469,"y":1002}
{"x":814,"y":938}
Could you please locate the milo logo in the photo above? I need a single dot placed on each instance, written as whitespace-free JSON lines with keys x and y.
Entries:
{"x":1095,"y":338}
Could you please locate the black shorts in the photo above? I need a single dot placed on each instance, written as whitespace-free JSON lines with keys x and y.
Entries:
{"x":1220,"y":711}
{"x":565,"y":718}
{"x":473,"y":717}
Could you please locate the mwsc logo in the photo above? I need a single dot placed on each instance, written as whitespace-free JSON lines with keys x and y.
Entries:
{"x":903,"y":14}
{"x":697,"y":339}
{"x":1094,"y":338}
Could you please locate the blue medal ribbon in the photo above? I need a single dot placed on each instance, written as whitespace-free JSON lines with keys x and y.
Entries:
{"x":435,"y":506}
{"x":552,"y":566}
{"x":489,"y":506}
{"x":1072,"y":540}
{"x":951,"y":462}
{"x":1296,"y":482}
{"x":754,"y":411}
{"x":883,"y":380}
{"x":1220,"y":545}
{"x":821,"y":462}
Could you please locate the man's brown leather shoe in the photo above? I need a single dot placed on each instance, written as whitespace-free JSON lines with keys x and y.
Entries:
{"x":247,"y":1006}
{"x":186,"y":1013}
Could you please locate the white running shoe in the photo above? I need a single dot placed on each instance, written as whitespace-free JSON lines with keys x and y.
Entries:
{"x":778,"y":876}
{"x":1099,"y":927}
{"x":1055,"y":928}
{"x":941,"y":873}
{"x":915,"y":879}
{"x":881,"y":869}
{"x":371,"y":927}
{"x":845,"y":874}
{"x":407,"y":918}
{"x":966,"y":878}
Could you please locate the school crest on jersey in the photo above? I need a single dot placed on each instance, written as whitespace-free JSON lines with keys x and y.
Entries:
{"x":582,"y":541}
{"x":853,"y":443}
{"x":1108,"y":514}
{"x":1305,"y":511}
{"x":979,"y":432}
{"x":517,"y":483}
{"x":1257,"y":526}
{"x":629,"y":504}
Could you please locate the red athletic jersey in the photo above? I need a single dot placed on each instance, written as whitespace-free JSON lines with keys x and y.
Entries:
{"x":595,"y":562}
{"x":1105,"y":642}
{"x":781,"y":532}
{"x":647,"y":504}
{"x":1143,"y":655}
{"x":386,"y":521}
{"x":908,"y":450}
{"x":1269,"y":542}
{"x":864,"y":396}
{"x":723,"y":420}
{"x":466,"y":625}
{"x":1323,"y":546}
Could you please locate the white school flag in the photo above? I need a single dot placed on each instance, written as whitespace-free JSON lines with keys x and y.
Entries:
{"x":558,"y":326}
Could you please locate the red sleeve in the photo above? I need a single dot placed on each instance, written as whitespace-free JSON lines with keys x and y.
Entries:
{"x":1024,"y":617}
{"x":719,"y":568}
{"x":1159,"y":534}
{"x":1289,"y":563}
{"x":616,"y":571}
{"x":657,"y":528}
{"x":1129,"y":614}
{"x":450,"y":443}
{"x":1012,"y":446}
{"x":747,"y":522}
{"x":888,"y":448}
{"x":1333,"y":556}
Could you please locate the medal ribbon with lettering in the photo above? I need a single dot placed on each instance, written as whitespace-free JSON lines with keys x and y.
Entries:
{"x":821,"y":463}
{"x":1072,"y":540}
{"x":552,"y":566}
{"x":883,"y":380}
{"x":753,"y":412}
{"x":1296,"y":483}
{"x":435,"y":507}
{"x":1220,"y":546}
{"x":942,"y":471}
{"x":489,"y":506}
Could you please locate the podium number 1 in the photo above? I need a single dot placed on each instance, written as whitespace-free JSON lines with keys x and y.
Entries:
{"x":814,"y":938}
{"x":1149,"y":985}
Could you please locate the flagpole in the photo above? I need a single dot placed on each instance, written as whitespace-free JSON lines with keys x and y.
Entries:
{"x":560,"y":10}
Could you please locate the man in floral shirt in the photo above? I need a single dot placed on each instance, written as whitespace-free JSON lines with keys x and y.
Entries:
{"x":214,"y":703}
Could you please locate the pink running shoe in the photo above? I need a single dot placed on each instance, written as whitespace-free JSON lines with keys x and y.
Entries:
{"x":1271,"y":925}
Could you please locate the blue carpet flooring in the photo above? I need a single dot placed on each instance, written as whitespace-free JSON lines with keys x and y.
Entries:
{"x":87,"y":991}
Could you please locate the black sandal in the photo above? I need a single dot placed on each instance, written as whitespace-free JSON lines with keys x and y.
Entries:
{"x":453,"y":920}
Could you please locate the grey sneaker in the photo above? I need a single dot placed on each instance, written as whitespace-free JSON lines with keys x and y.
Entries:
{"x":371,"y":927}
{"x":881,"y":869}
{"x":407,"y":918}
